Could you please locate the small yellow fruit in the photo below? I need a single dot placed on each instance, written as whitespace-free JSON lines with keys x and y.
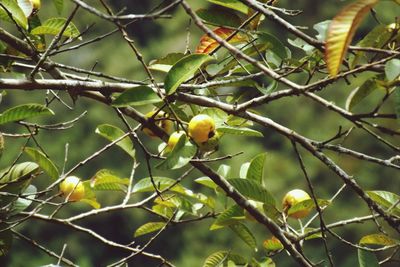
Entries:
{"x":161,"y":120}
{"x":72,"y":184}
{"x":201,"y":128}
{"x":173,"y":140}
{"x":292,"y":198}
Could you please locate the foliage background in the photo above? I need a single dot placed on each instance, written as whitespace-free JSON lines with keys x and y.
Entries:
{"x":189,"y":245}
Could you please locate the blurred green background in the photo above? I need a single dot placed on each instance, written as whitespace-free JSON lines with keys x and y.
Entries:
{"x":190,"y":244}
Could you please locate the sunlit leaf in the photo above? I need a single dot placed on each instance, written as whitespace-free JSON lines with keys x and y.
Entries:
{"x":26,"y":7}
{"x":322,"y":29}
{"x":182,"y":70}
{"x":54,"y":26}
{"x":206,"y":181}
{"x":89,"y":197}
{"x":341,"y":32}
{"x":59,"y":4}
{"x":112,"y":133}
{"x":23,"y":112}
{"x":307,"y":205}
{"x":107,"y":180}
{"x":15,"y":10}
{"x":218,"y":259}
{"x":208,"y":44}
{"x":44,"y":162}
{"x":136,"y":96}
{"x":145,"y":185}
{"x":149,"y":228}
{"x":245,"y":234}
{"x":386,"y":199}
{"x":378,"y":239}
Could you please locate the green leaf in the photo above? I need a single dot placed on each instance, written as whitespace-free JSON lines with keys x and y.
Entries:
{"x":23,"y":112}
{"x":136,"y":96}
{"x":149,"y":228}
{"x":273,"y":44}
{"x":145,"y":185}
{"x":184,"y":69}
{"x":252,"y":190}
{"x":232,"y":4}
{"x":90,"y":196}
{"x":367,"y":259}
{"x":54,"y":26}
{"x":228,"y":217}
{"x":15,"y":179}
{"x":59,"y":4}
{"x":256,"y":168}
{"x":44,"y":162}
{"x":244,"y":169}
{"x":218,"y":259}
{"x":23,"y":202}
{"x":112,"y":133}
{"x":378,"y":239}
{"x":165,"y":64}
{"x":322,"y":29}
{"x":358,"y":94}
{"x":386,"y":199}
{"x":6,"y":239}
{"x":219,"y":16}
{"x":180,"y":155}
{"x":392,"y":69}
{"x":107,"y":180}
{"x":239,"y":131}
{"x":26,"y":6}
{"x":16,"y":12}
{"x":1,"y":145}
{"x":224,"y":170}
{"x":206,"y":181}
{"x":245,"y":234}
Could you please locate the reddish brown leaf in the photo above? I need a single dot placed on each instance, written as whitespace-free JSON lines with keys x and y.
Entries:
{"x":208,"y":44}
{"x":341,"y":32}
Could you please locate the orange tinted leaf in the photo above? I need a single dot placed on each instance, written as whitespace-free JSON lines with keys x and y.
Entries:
{"x":341,"y":31}
{"x":208,"y":44}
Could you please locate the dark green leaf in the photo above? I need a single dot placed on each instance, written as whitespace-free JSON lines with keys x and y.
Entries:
{"x":59,"y":4}
{"x":24,"y":112}
{"x":136,"y":96}
{"x":274,"y":44}
{"x":367,"y":259}
{"x":245,"y":234}
{"x":219,"y":258}
{"x":149,"y":228}
{"x":219,"y":16}
{"x":397,"y":102}
{"x":5,"y":239}
{"x":25,"y":200}
{"x":112,"y":133}
{"x":230,"y":216}
{"x":184,"y":69}
{"x":44,"y":162}
{"x":358,"y":94}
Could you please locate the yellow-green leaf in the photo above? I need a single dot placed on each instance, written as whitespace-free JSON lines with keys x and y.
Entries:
{"x":341,"y":31}
{"x":378,"y":239}
{"x":54,"y":25}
